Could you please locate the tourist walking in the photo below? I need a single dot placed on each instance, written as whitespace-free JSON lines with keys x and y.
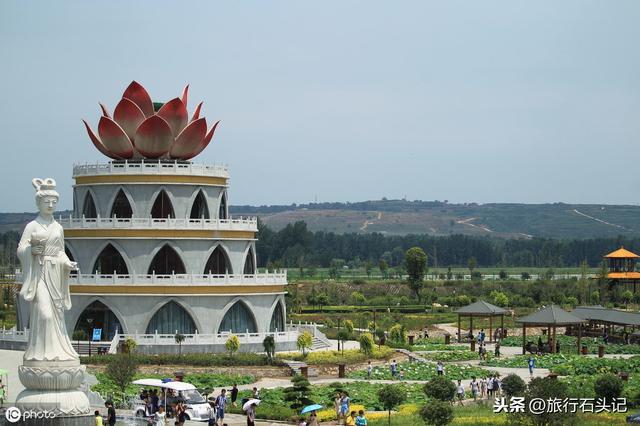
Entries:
{"x":497,"y":386}
{"x":474,"y":388}
{"x":221,"y":404}
{"x":251,"y":416}
{"x":496,"y":350}
{"x":111,"y":413}
{"x":532,"y":364}
{"x":97,"y":420}
{"x":211,"y":411}
{"x":490,"y":387}
{"x":369,"y":370}
{"x":345,"y":402}
{"x":160,"y":417}
{"x":440,"y":368}
{"x":361,"y":420}
{"x":181,"y":414}
{"x":313,"y":419}
{"x":394,"y":369}
{"x":336,"y":407}
{"x":234,"y":395}
{"x":460,"y":392}
{"x":483,"y":387}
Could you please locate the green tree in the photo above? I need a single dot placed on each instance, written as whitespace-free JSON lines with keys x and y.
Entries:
{"x":398,"y":333}
{"x":358,"y":298}
{"x":121,"y":369}
{"x":513,"y":385}
{"x":595,"y":297}
{"x":322,"y":300}
{"x":304,"y":342}
{"x":627,"y":297}
{"x":366,"y":343}
{"x":608,"y":386}
{"x":368,"y":267}
{"x":437,"y":413}
{"x":179,"y":338}
{"x":440,"y":388}
{"x":342,"y":336}
{"x":269,"y":345}
{"x":547,"y":388}
{"x":232,"y":344}
{"x":391,"y":396}
{"x":472,"y":264}
{"x":79,"y":334}
{"x":499,"y":298}
{"x":503,"y":274}
{"x":348,"y":325}
{"x":383,"y":266}
{"x":298,"y":394}
{"x":416,"y":264}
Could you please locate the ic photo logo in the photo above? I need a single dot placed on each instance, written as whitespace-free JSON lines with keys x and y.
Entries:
{"x":13,"y":414}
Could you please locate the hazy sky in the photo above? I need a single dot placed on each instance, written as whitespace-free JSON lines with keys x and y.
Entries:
{"x":485,"y":101}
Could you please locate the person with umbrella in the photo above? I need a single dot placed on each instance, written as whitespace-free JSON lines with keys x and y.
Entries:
{"x":250,"y":408}
{"x":313,"y":417}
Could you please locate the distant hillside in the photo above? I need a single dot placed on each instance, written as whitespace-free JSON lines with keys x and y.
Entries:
{"x":400,"y":217}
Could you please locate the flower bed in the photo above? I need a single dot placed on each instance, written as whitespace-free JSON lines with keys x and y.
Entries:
{"x":350,"y":356}
{"x":566,"y":365}
{"x":423,"y":371}
{"x":198,"y":360}
{"x":568,"y":344}
{"x":451,"y":355}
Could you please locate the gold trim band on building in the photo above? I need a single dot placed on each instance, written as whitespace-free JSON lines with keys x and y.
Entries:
{"x":151,"y":179}
{"x":159,"y":233}
{"x":114,"y":289}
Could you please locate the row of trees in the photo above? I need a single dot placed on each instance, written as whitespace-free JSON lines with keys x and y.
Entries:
{"x":296,"y":246}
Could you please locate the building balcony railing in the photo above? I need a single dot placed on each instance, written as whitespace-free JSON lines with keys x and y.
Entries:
{"x":152,"y":168}
{"x":233,"y":224}
{"x":186,"y":280}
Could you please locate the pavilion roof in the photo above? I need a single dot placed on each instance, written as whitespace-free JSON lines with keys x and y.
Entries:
{"x":551,"y":315}
{"x":612,"y":316}
{"x":481,"y":308}
{"x":621,"y":253}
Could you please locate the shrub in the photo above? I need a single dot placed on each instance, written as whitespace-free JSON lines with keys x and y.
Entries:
{"x":269,"y":345}
{"x":608,"y":386}
{"x":366,"y":343}
{"x":348,"y":325}
{"x":513,"y":385}
{"x":547,"y":388}
{"x":298,"y":394}
{"x":232,"y":344}
{"x":440,"y":388}
{"x":304,"y":342}
{"x":121,"y":370}
{"x":438,"y":413}
{"x":342,"y":336}
{"x":391,"y":396}
{"x":130,"y":345}
{"x":398,"y":333}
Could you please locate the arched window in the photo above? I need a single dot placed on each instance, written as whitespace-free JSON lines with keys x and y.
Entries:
{"x":199,"y":210}
{"x":218,"y":263}
{"x":222,"y":211}
{"x":277,"y":319}
{"x":249,"y":265}
{"x":98,"y":315}
{"x":121,"y":206}
{"x":110,"y":261}
{"x":171,"y":318}
{"x":167,"y":262}
{"x":238,"y":319}
{"x":89,"y":207}
{"x":70,"y":256}
{"x":162,"y":207}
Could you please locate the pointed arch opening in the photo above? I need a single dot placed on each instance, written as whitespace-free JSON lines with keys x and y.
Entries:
{"x":162,"y":207}
{"x":70,"y":256}
{"x":200,"y":210}
{"x":249,"y":264}
{"x":170,"y":319}
{"x":218,"y":263}
{"x":98,"y":316}
{"x":222,"y":211}
{"x":167,"y":262}
{"x":89,"y":210}
{"x":110,"y":261}
{"x":121,"y":207}
{"x":238,"y":319}
{"x":277,"y":319}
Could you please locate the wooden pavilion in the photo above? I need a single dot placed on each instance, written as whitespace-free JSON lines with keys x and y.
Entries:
{"x":622,"y":267}
{"x":550,"y":317}
{"x":481,"y":309}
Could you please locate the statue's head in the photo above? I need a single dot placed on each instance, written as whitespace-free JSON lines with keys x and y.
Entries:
{"x":46,"y":195}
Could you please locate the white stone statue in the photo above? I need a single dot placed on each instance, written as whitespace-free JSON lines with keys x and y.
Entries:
{"x":51,"y":370}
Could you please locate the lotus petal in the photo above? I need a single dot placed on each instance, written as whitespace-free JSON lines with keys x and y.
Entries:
{"x":196,"y":113}
{"x":153,"y":138}
{"x":189,"y":139}
{"x":175,"y":113}
{"x":97,"y":143}
{"x":128,"y":116}
{"x":204,"y":143}
{"x":105,"y":112}
{"x":185,"y":94}
{"x":138,"y":94}
{"x":114,"y":138}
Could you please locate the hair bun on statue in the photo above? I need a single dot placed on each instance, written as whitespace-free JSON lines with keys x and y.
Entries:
{"x":48,"y":184}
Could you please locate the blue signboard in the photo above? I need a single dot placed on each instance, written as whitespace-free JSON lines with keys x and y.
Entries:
{"x":97,"y":334}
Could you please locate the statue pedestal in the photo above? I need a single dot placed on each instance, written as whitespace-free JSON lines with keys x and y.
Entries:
{"x":53,"y":389}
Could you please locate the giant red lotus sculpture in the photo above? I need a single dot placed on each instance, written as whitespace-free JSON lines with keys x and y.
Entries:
{"x":137,"y":130}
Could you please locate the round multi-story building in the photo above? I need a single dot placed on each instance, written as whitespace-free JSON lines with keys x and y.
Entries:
{"x":158,"y":253}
